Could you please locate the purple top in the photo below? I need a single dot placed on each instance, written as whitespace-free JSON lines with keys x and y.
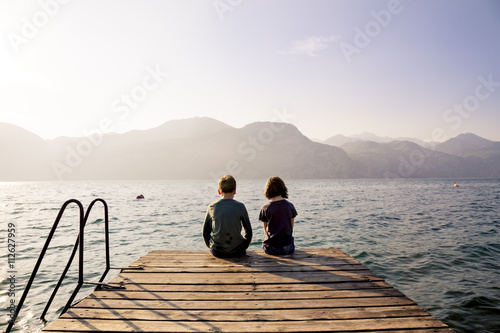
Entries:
{"x":278,"y":215}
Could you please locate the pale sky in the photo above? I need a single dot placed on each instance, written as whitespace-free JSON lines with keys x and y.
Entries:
{"x":425,"y":69}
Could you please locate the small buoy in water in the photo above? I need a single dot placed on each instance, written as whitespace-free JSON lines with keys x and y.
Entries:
{"x":140,"y":196}
{"x":456,"y":185}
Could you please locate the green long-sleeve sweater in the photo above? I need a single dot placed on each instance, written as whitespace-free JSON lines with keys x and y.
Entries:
{"x":222,"y":227}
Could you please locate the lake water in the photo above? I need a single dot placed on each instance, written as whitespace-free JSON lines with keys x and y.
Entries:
{"x":437,"y":243}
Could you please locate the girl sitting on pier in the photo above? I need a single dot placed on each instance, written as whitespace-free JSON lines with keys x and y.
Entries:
{"x":277,"y":216}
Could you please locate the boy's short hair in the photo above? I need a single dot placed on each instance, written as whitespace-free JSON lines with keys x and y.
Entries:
{"x":227,"y":184}
{"x":275,"y":186}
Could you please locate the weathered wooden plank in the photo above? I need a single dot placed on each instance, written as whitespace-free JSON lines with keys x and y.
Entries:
{"x":332,"y":252}
{"x":92,"y":302}
{"x":423,"y":330}
{"x":296,"y":255}
{"x":299,"y":275}
{"x":248,"y":315}
{"x":247,"y":268}
{"x":252,"y":258}
{"x":86,"y":325}
{"x":242,"y":278}
{"x":362,"y":285}
{"x":262,"y":261}
{"x":228,"y":295}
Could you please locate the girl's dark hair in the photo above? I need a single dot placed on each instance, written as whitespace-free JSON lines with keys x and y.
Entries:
{"x":275,"y":186}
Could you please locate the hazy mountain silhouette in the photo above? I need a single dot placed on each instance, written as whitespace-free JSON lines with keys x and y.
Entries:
{"x":404,"y":159}
{"x":23,"y":155}
{"x":205,"y":148}
{"x":198,"y":148}
{"x":463,"y":145}
{"x":176,"y":129}
{"x":472,"y":146}
{"x":339,"y":140}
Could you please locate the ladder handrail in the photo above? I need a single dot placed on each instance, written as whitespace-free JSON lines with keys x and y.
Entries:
{"x":70,"y":260}
{"x":106,"y":235}
{"x":79,"y":244}
{"x":41,"y":256}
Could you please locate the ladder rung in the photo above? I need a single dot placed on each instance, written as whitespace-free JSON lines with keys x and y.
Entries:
{"x":107,"y":285}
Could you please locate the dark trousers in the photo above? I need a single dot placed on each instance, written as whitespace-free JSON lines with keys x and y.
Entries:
{"x":279,"y":250}
{"x":219,"y":254}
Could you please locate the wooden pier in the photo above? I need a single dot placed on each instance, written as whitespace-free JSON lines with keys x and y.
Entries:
{"x":312,"y":290}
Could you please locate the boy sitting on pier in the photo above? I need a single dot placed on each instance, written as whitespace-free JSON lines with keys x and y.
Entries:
{"x":224,"y":221}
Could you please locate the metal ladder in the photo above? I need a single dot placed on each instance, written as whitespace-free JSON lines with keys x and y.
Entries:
{"x":78,"y":246}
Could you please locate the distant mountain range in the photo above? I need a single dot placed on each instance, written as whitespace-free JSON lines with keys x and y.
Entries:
{"x":339,"y":140}
{"x":205,"y":148}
